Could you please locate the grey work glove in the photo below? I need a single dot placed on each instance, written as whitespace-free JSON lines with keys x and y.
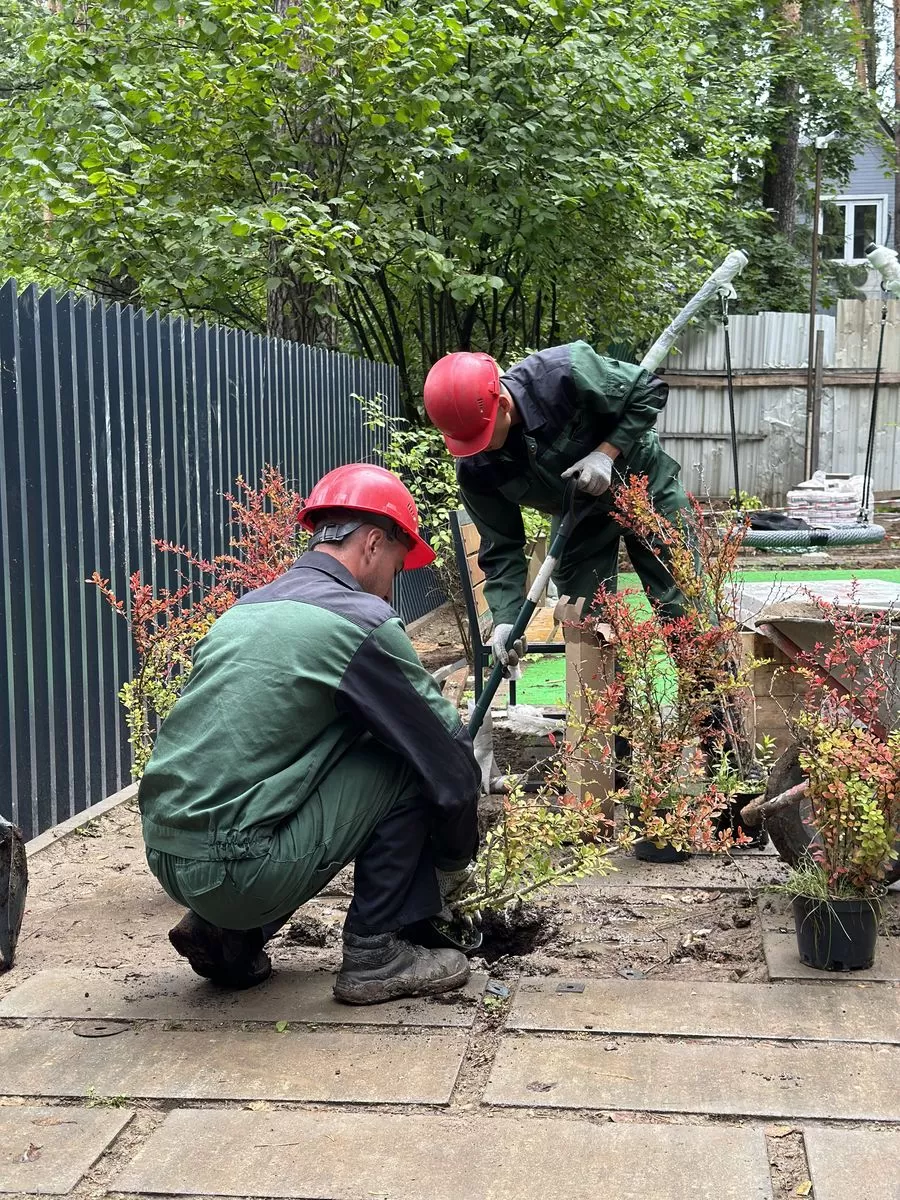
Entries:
{"x":453,"y":886}
{"x":594,"y":473}
{"x":509,"y":658}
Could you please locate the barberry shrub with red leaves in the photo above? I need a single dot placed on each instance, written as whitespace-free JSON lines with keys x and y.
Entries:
{"x":848,"y":731}
{"x":685,"y":720}
{"x":166,"y":624}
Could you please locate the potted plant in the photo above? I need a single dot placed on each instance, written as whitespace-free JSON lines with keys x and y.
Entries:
{"x":680,"y":694}
{"x":851,"y":757}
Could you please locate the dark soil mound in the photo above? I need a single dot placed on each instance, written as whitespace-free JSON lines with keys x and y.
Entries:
{"x":517,"y":930}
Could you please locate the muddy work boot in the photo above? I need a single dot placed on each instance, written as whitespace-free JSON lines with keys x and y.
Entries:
{"x":382,"y":966}
{"x":231,"y":958}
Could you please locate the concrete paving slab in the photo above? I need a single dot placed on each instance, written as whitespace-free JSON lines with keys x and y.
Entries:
{"x":849,"y":1082}
{"x":775,"y":913}
{"x":346,"y":1065}
{"x":179,"y":995}
{"x":701,"y":871}
{"x":358,"y":1156}
{"x":47,"y":1150}
{"x":729,"y":1010}
{"x":783,"y":962}
{"x":853,"y":1164}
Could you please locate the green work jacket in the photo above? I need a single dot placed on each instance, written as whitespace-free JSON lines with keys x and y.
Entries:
{"x":283,"y":685}
{"x":569,"y":399}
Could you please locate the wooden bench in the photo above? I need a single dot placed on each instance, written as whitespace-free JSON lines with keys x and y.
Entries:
{"x":467,"y":542}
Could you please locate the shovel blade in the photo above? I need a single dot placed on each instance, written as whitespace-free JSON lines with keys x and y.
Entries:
{"x":13,"y":889}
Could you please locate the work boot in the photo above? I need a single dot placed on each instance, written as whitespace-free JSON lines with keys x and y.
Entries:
{"x":382,"y":966}
{"x":231,"y":958}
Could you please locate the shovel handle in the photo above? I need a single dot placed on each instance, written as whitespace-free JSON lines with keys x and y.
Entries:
{"x":527,"y":610}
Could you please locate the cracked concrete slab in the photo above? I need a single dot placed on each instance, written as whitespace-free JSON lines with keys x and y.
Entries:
{"x":727,"y":1010}
{"x":326,"y":1065}
{"x":46,"y":1151}
{"x":764,"y":1079}
{"x":853,"y":1164}
{"x":178,"y":995}
{"x":356,"y":1156}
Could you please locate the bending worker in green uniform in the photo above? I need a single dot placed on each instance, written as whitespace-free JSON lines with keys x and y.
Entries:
{"x":308,"y":736}
{"x":521,"y":435}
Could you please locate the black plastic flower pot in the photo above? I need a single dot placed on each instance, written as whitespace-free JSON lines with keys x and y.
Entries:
{"x":836,"y":935}
{"x":650,"y":851}
{"x":730,"y":818}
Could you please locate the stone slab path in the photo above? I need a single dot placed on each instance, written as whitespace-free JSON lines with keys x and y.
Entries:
{"x":179,"y":995}
{"x":723,"y":1010}
{"x":553,"y":1084}
{"x":738,"y":1079}
{"x":854,"y":1164}
{"x":340,"y":1156}
{"x":47,"y":1150}
{"x":362,"y":1068}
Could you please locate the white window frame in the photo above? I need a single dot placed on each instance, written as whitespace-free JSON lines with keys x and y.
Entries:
{"x":881,"y":221}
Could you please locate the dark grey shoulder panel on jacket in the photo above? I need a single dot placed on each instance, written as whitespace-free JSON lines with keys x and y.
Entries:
{"x":324,"y":588}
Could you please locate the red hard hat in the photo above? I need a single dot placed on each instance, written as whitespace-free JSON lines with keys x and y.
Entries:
{"x":365,"y":488}
{"x":462,"y":394}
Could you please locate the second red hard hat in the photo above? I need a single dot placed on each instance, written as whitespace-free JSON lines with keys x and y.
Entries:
{"x":462,"y":394}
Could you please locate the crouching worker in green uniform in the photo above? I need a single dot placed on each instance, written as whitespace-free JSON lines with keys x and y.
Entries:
{"x":520,"y":436}
{"x":310,"y":736}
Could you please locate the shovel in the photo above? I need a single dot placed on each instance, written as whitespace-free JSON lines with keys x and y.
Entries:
{"x":13,"y":887}
{"x":480,"y":723}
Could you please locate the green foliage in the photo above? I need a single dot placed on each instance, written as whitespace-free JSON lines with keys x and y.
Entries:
{"x":540,"y":840}
{"x":400,"y":177}
{"x":166,"y":625}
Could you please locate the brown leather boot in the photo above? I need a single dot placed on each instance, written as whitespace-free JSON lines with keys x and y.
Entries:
{"x":231,"y":958}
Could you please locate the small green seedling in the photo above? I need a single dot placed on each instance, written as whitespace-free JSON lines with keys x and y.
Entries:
{"x":95,"y":1101}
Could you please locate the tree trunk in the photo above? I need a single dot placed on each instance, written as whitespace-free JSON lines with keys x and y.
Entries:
{"x":291,"y":313}
{"x":779,"y":187}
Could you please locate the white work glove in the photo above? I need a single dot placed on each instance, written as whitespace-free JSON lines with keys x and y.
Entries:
{"x":509,"y":658}
{"x":594,"y":473}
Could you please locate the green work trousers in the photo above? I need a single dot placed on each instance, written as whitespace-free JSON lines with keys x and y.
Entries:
{"x":369,"y":806}
{"x":591,"y":559}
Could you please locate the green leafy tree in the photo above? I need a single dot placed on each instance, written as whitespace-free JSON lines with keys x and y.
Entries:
{"x":402,"y":177}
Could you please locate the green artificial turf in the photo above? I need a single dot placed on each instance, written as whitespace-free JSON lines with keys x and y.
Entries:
{"x":543,"y":681}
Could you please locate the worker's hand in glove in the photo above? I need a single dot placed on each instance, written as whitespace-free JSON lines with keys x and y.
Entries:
{"x":453,"y":886}
{"x":508,"y":657}
{"x":594,"y":473}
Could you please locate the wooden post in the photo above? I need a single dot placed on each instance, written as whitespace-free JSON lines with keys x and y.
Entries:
{"x":591,"y":664}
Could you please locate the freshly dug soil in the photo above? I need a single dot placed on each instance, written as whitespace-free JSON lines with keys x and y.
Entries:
{"x":437,"y":640}
{"x":517,"y":931}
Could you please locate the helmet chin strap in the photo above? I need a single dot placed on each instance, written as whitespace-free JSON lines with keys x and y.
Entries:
{"x":337,"y":531}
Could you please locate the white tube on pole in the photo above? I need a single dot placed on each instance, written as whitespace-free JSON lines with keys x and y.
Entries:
{"x":884,"y":260}
{"x":720,"y":278}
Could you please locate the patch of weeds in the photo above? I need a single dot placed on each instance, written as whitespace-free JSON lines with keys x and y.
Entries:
{"x":281,"y":1026}
{"x":493,"y":1004}
{"x":90,"y":829}
{"x":95,"y":1101}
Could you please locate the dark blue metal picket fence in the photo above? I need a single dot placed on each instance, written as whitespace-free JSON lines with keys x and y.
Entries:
{"x":118,"y":426}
